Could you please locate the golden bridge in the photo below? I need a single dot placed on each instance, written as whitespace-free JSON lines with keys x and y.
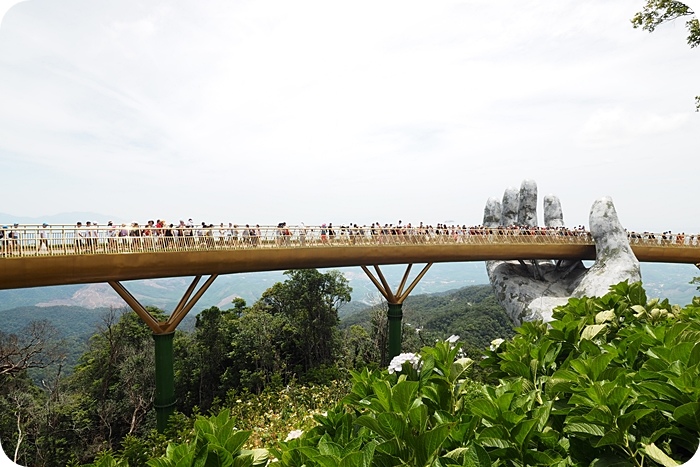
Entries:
{"x":43,"y":255}
{"x":60,"y":255}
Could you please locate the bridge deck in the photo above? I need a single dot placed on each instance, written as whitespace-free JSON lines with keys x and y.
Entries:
{"x":67,"y":258}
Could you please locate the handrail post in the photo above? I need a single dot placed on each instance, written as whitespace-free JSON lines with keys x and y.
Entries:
{"x":164,"y":402}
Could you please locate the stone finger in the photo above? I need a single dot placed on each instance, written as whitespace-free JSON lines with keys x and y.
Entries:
{"x":615,"y":261}
{"x":492,"y":213}
{"x":510,"y":205}
{"x":553,"y":215}
{"x":527,"y":206}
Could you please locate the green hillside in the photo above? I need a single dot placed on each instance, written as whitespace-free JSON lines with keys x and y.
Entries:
{"x":469,"y":312}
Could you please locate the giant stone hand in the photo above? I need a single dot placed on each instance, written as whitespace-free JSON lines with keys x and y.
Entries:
{"x":530,"y":290}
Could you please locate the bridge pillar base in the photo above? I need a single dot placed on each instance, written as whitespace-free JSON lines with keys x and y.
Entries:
{"x":164,"y":402}
{"x":395,"y":316}
{"x":163,"y":333}
{"x":395,"y":301}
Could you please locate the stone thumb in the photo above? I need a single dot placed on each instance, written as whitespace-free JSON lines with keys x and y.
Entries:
{"x":615,"y":261}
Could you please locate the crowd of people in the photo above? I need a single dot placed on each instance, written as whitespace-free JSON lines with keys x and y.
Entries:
{"x":160,"y":235}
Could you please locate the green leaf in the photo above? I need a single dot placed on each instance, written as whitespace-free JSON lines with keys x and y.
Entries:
{"x":504,"y":400}
{"x":403,"y":394}
{"x":637,"y":295}
{"x":659,"y":456}
{"x":494,"y":436}
{"x":600,"y":363}
{"x":523,"y":432}
{"x":655,"y":388}
{"x":236,"y":441}
{"x":459,"y":367}
{"x":590,"y":331}
{"x":418,"y":416}
{"x":614,"y":437}
{"x":160,"y":462}
{"x":428,"y":444}
{"x":391,"y":425}
{"x":625,"y":421}
{"x":611,"y":461}
{"x":476,"y":456}
{"x":486,"y":409}
{"x":688,"y":415}
{"x":605,"y":317}
{"x":382,"y":391}
{"x":516,"y":369}
{"x":329,"y":448}
{"x":585,"y":428}
{"x":354,"y":459}
{"x":694,"y":357}
{"x":326,"y":460}
{"x":218,"y":456}
{"x":259,"y":456}
{"x":617,"y":397}
{"x":370,"y":422}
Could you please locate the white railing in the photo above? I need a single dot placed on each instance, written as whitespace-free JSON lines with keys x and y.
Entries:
{"x":51,"y":240}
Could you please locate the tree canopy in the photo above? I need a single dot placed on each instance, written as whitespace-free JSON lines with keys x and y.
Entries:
{"x":658,"y":12}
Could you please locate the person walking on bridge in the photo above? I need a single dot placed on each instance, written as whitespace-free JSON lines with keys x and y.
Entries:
{"x":43,"y":238}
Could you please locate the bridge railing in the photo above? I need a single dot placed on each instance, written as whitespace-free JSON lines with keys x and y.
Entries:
{"x":51,"y":240}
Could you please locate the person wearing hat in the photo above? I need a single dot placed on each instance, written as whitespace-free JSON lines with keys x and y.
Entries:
{"x":13,"y":239}
{"x":43,"y":238}
{"x":3,"y":240}
{"x":324,"y":234}
{"x":78,"y":237}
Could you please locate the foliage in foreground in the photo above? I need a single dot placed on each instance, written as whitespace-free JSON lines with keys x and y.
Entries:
{"x":612,"y":381}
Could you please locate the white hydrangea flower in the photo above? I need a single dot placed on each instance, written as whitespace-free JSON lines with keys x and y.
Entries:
{"x":496,"y":343}
{"x":294,"y":434}
{"x":452,"y":339}
{"x":398,"y":361}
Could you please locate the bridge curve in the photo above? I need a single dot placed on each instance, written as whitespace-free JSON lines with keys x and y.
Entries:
{"x":61,"y":255}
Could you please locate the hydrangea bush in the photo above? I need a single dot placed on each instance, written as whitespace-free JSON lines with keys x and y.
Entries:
{"x":611,"y":381}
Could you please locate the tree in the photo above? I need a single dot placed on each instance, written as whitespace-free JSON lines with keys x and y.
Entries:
{"x":114,"y":380}
{"x":203,"y":357}
{"x":37,"y":346}
{"x":658,"y":12}
{"x":311,"y":301}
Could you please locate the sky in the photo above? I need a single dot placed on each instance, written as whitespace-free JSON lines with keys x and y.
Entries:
{"x":344,"y":112}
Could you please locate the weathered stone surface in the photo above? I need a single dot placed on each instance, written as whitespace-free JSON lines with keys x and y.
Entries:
{"x":527,"y":203}
{"x":492,"y":213}
{"x":615,"y":262}
{"x":553,"y":215}
{"x":511,"y":206}
{"x":528,"y":290}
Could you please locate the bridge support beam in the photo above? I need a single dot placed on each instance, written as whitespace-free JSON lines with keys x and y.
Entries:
{"x":163,"y":333}
{"x":395,"y":301}
{"x":164,"y":402}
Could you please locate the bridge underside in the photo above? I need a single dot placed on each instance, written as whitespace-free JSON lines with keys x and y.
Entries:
{"x":39,"y":271}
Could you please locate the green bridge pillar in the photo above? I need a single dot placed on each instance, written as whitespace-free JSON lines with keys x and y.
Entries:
{"x":164,"y":402}
{"x":395,"y":315}
{"x":395,"y":302}
{"x":163,"y":333}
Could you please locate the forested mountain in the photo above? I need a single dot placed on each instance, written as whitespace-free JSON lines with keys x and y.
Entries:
{"x":469,"y":312}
